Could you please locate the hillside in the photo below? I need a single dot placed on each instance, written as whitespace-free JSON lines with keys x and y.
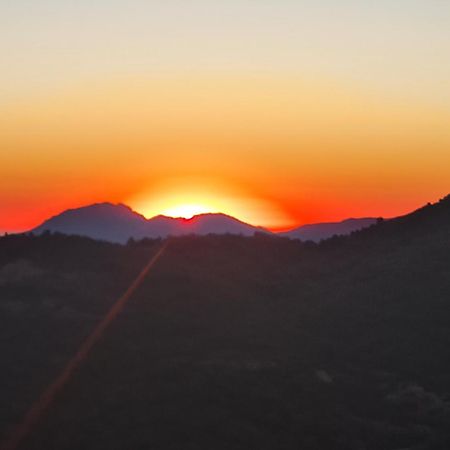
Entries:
{"x":235,"y":342}
{"x":319,"y":231}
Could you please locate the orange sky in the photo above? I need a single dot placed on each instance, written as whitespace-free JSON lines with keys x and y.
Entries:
{"x":278,"y":128}
{"x":275,"y":152}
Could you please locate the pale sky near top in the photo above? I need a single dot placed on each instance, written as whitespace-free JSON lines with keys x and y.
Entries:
{"x":397,"y":45}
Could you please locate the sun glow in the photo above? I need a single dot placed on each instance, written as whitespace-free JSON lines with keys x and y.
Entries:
{"x":189,"y":197}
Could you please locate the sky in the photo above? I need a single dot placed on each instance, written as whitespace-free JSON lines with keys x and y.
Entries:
{"x":278,"y":112}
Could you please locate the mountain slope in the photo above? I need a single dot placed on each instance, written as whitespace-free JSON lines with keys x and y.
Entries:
{"x":320,"y":231}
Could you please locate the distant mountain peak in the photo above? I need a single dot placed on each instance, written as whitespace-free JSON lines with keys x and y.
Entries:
{"x":118,"y":222}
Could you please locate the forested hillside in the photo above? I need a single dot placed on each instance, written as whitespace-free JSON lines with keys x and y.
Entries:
{"x":234,"y":342}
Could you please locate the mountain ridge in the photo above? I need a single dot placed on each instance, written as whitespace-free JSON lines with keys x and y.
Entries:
{"x":117,"y":222}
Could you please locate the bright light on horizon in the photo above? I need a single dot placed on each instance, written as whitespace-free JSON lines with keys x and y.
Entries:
{"x":187,"y":211}
{"x":188,"y":197}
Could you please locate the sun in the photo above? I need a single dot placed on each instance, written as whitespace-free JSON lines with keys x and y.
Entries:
{"x":186,"y":211}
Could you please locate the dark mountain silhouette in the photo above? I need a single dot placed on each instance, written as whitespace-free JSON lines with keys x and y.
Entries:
{"x":104,"y":221}
{"x":234,"y":342}
{"x":319,"y":231}
{"x":428,"y":219}
{"x":117,"y":223}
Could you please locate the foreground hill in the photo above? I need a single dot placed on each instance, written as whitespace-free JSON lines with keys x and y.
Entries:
{"x":235,"y":342}
{"x":117,"y":223}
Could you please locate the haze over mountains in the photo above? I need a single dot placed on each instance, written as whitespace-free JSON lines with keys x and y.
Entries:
{"x":117,"y":223}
